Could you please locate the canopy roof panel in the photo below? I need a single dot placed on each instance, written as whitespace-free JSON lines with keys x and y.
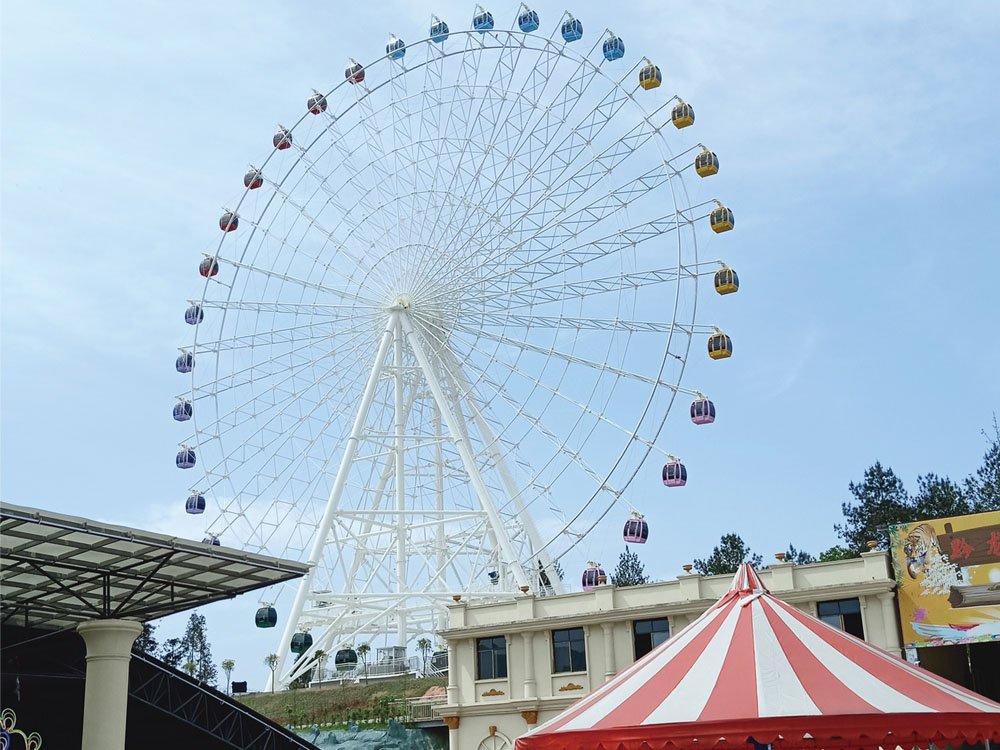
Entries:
{"x":755,"y":667}
{"x":57,"y":571}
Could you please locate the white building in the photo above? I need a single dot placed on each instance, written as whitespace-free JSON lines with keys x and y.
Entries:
{"x":517,"y":663}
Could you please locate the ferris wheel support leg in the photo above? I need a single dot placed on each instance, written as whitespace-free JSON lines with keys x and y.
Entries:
{"x":322,"y":531}
{"x":401,"y":583}
{"x":455,"y":370}
{"x":439,"y":506}
{"x":462,"y":446}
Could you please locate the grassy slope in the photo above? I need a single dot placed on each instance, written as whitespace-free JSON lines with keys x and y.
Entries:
{"x":337,"y":705}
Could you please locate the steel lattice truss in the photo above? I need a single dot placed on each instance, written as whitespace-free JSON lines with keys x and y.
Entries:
{"x":446,"y":335}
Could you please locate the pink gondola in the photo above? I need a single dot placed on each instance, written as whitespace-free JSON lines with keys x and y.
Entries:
{"x":674,"y":474}
{"x":702,"y":411}
{"x":593,"y":576}
{"x":636,"y":529}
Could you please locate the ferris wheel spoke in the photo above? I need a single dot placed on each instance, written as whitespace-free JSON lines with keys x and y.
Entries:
{"x":572,"y":359}
{"x":576,"y":324}
{"x":318,"y":309}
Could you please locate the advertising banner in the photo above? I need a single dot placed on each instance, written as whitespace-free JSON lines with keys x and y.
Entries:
{"x":948,"y":576}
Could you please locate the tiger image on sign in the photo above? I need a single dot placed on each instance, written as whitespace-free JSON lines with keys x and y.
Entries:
{"x":921,"y":549}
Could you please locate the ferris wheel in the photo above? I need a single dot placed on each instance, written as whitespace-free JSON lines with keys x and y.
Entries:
{"x":445,"y":323}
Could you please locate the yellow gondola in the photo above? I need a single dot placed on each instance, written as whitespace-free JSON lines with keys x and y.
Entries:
{"x":726,"y":281}
{"x":720,"y":346}
{"x":721,"y":219}
{"x":650,"y":76}
{"x":682,"y":115}
{"x":706,"y":163}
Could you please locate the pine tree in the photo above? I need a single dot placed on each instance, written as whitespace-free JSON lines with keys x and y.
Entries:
{"x":173,"y":652}
{"x":630,"y":571}
{"x":798,"y":556}
{"x":939,"y":497}
{"x":146,"y":642}
{"x":197,"y":648}
{"x":727,"y":557}
{"x":881,"y":501}
{"x":983,"y":488}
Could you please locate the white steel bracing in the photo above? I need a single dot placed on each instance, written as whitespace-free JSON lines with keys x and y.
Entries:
{"x":446,"y":335}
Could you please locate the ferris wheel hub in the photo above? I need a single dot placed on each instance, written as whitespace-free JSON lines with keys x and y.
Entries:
{"x":402,"y":302}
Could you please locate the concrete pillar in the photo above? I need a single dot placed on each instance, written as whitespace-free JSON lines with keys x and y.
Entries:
{"x":452,"y":673}
{"x":530,"y":686}
{"x":609,"y":650}
{"x":889,"y":628}
{"x":105,"y":702}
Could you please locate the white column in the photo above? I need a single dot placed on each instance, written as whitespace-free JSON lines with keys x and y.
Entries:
{"x":530,"y":686}
{"x":889,"y":629}
{"x":105,"y":702}
{"x":609,"y":650}
{"x":401,"y":635}
{"x":452,"y":673}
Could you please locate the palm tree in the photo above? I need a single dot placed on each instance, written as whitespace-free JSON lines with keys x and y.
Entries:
{"x":228,"y":665}
{"x":424,"y":646}
{"x":190,"y":667}
{"x":271,"y":662}
{"x":363,"y":650}
{"x":321,"y":658}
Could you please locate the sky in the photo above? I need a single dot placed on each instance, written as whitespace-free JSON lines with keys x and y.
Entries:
{"x":860,"y":152}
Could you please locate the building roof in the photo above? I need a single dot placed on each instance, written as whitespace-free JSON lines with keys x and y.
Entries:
{"x":755,"y":666}
{"x":57,"y":571}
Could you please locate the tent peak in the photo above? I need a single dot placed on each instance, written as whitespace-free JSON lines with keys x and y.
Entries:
{"x":747,"y":581}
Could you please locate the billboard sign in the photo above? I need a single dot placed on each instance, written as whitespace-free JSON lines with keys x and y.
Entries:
{"x":948,"y":577}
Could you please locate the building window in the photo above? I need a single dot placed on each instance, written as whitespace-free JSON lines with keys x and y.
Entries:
{"x":569,"y":652}
{"x":648,"y":634}
{"x":491,"y":658}
{"x":844,"y":614}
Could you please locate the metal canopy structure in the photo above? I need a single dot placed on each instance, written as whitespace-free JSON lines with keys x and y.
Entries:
{"x":57,"y":571}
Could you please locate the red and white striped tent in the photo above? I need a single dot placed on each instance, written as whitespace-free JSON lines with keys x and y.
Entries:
{"x":754,"y":669}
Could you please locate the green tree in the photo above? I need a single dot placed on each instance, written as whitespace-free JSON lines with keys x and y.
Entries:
{"x":983,"y":488}
{"x":190,"y":667}
{"x":228,"y":665}
{"x":424,"y":646}
{"x":630,"y":571}
{"x":881,"y":500}
{"x":321,"y":657}
{"x":146,"y":642}
{"x":198,"y":650}
{"x":363,"y":650}
{"x":727,"y":557}
{"x":837,"y":552}
{"x":172,"y":652}
{"x":938,"y":497}
{"x":271,"y":662}
{"x":798,"y":556}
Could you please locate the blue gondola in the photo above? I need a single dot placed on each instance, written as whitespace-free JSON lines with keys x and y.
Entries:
{"x":614,"y":48}
{"x":494,"y":577}
{"x":194,"y":315}
{"x":396,"y":48}
{"x":482,"y":21}
{"x":183,"y":411}
{"x":195,"y":504}
{"x":301,"y":642}
{"x":266,"y":617}
{"x":212,"y":539}
{"x":528,"y":21}
{"x":572,"y":29}
{"x":186,"y":458}
{"x":439,"y":30}
{"x":185,"y":362}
